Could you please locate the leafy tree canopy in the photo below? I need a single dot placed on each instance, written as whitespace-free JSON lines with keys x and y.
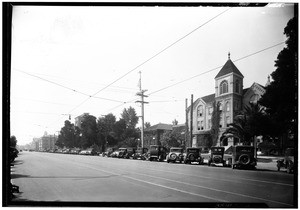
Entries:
{"x":130,"y":117}
{"x":280,"y":98}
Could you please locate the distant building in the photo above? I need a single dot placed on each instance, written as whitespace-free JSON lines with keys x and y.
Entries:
{"x":46,"y":142}
{"x":231,"y":96}
{"x":155,"y":132}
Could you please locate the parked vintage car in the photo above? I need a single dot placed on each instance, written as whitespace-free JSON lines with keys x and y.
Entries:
{"x":243,"y":156}
{"x":140,"y":153}
{"x":216,"y":156}
{"x":75,"y":151}
{"x":89,"y":151}
{"x":122,"y":152}
{"x":175,"y":155}
{"x":287,"y":162}
{"x":66,"y":151}
{"x":108,"y":152}
{"x":130,"y":152}
{"x":157,"y":152}
{"x":193,"y":154}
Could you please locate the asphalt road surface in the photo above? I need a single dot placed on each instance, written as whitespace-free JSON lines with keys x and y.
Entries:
{"x":59,"y":178}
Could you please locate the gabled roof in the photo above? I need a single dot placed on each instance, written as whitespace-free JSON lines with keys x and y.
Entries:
{"x":159,"y":126}
{"x":228,"y":68}
{"x":209,"y":98}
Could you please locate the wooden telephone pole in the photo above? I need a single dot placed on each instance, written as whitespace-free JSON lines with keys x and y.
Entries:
{"x":141,"y":93}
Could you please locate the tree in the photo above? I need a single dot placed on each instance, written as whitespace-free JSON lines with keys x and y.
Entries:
{"x":215,"y":123}
{"x":67,"y":136}
{"x":131,"y":120}
{"x":119,"y":130}
{"x":280,"y":98}
{"x":105,"y":126}
{"x":13,"y":141}
{"x":249,"y":124}
{"x":171,"y":139}
{"x":88,"y":131}
{"x":129,"y":115}
{"x":147,"y":125}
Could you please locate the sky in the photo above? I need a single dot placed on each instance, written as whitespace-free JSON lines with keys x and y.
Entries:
{"x":67,"y":61}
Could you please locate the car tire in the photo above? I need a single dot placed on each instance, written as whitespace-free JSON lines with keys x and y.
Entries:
{"x":244,"y":159}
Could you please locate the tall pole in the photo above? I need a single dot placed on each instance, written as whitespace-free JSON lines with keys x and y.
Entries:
{"x":191,"y":134}
{"x":141,"y":93}
{"x":186,"y":123}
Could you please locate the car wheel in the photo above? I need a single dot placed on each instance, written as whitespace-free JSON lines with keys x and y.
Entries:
{"x":244,"y":159}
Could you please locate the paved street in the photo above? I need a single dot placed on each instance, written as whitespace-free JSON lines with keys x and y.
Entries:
{"x":71,"y":178}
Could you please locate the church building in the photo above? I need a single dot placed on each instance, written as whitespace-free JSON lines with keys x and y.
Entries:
{"x":232,"y":98}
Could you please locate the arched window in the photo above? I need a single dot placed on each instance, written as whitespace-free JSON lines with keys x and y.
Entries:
{"x":220,"y":106}
{"x":223,"y":87}
{"x":237,"y":86}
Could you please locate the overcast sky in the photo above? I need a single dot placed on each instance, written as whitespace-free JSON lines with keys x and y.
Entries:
{"x":63,"y":55}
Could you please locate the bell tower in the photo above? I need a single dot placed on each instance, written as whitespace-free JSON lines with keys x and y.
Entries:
{"x":229,"y":92}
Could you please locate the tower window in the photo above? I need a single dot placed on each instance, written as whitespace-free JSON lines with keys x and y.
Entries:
{"x":237,"y":86}
{"x":223,"y":87}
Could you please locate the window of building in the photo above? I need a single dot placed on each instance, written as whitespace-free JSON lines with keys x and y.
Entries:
{"x":227,"y":121}
{"x":200,"y":111}
{"x":202,"y":126}
{"x":210,"y":110}
{"x":198,"y":125}
{"x":220,"y":106}
{"x":221,"y":121}
{"x":227,"y":106}
{"x":223,"y":87}
{"x":237,"y":86}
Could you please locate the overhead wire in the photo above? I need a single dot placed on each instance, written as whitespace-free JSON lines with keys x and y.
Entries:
{"x":65,"y":87}
{"x":182,"y":81}
{"x":149,"y":59}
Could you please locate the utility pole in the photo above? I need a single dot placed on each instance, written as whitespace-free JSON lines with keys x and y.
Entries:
{"x":191,"y":134}
{"x":141,"y":93}
{"x":186,"y":123}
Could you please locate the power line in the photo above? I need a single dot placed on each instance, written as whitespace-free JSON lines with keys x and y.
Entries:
{"x":65,"y":87}
{"x":161,"y":51}
{"x":215,"y":68}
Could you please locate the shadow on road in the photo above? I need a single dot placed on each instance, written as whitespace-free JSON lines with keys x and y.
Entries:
{"x":16,"y":176}
{"x":17,"y":162}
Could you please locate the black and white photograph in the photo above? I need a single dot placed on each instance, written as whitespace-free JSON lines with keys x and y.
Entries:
{"x":187,"y":105}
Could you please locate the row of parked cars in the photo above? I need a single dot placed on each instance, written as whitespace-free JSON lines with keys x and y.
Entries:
{"x":89,"y":151}
{"x":237,"y":156}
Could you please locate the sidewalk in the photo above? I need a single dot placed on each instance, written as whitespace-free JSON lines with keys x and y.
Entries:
{"x":267,"y":162}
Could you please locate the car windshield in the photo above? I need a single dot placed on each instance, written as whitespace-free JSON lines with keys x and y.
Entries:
{"x":154,"y":147}
{"x":245,"y":149}
{"x":193,"y":150}
{"x":122,"y":149}
{"x":176,"y":150}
